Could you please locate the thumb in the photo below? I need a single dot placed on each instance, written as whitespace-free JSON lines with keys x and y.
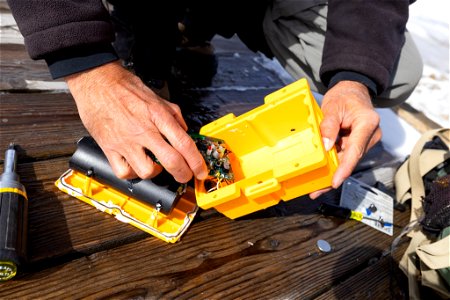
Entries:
{"x":329,"y":128}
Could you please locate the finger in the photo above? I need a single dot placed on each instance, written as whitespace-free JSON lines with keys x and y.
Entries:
{"x":170,"y":158}
{"x":376,"y":137}
{"x":176,"y":113}
{"x":184,"y":146}
{"x":345,"y":134}
{"x":353,"y":150}
{"x":120,"y":166}
{"x":141,"y":163}
{"x":317,"y":194}
{"x":329,"y":128}
{"x":349,"y":161}
{"x":343,"y":156}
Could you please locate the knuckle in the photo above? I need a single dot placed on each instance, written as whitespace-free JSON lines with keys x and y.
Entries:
{"x":329,"y":121}
{"x":330,"y":127}
{"x":175,"y":107}
{"x":372,"y":119}
{"x":377,"y":135}
{"x":156,"y":113}
{"x":176,"y":166}
{"x":123,"y":172}
{"x":184,"y":178}
{"x":375,"y":119}
{"x":145,"y":172}
{"x":185,"y":142}
{"x":359,"y":151}
{"x":324,"y":124}
{"x":172,"y":162}
{"x":197,"y":166}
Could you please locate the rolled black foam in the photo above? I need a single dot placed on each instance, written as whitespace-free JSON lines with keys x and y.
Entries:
{"x":90,"y":160}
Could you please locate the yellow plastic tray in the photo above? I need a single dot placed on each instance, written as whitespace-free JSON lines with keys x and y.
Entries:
{"x":169,"y":227}
{"x":277,"y":153}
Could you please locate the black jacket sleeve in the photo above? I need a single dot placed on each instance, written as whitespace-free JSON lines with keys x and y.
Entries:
{"x":71,"y":35}
{"x":364,"y":37}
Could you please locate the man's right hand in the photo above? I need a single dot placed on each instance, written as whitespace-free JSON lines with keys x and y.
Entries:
{"x":125,"y":118}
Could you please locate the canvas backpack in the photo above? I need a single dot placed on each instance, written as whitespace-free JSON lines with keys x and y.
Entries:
{"x":424,"y":178}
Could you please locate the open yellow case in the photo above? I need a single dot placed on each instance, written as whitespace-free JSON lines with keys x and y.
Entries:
{"x":168,"y":227}
{"x":277,"y":153}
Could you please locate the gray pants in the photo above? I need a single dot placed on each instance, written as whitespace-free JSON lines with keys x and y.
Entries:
{"x":295,"y":32}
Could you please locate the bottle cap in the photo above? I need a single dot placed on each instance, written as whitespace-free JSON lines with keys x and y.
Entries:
{"x":324,"y":246}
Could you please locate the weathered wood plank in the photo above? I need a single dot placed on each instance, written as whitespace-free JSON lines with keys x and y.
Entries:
{"x":4,"y":7}
{"x":9,"y":31}
{"x":18,"y":68}
{"x":381,"y":279}
{"x":218,"y":259}
{"x":43,"y":125}
{"x":46,"y":125}
{"x":415,"y":118}
{"x":59,"y":224}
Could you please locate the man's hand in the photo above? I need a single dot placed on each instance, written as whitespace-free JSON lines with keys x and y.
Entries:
{"x":125,"y":118}
{"x":351,"y":122}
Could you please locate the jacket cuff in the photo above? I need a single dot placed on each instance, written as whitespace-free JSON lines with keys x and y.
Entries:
{"x":74,"y":60}
{"x":354,"y":76}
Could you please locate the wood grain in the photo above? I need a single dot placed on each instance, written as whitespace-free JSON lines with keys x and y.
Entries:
{"x":381,"y":279}
{"x":60,"y":225}
{"x":76,"y":251}
{"x":43,"y":125}
{"x":218,"y":259}
{"x":17,"y":67}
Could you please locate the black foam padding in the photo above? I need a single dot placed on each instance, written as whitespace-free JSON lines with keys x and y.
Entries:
{"x":90,"y":160}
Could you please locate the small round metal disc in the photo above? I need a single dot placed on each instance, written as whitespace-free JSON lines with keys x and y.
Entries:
{"x":323,"y":246}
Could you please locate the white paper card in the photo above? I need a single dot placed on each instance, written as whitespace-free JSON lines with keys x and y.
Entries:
{"x":376,"y":206}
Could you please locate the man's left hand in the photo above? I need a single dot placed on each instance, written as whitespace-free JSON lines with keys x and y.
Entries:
{"x":351,"y":122}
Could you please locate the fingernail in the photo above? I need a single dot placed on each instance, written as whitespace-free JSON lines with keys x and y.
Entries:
{"x":327,"y":143}
{"x":202,"y":175}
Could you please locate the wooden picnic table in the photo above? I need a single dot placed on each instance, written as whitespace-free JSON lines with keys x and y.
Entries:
{"x":75,"y":251}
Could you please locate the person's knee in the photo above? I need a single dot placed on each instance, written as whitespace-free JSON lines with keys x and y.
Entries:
{"x":400,"y":92}
{"x":406,"y":76}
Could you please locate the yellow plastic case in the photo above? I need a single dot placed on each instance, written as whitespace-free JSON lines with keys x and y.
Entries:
{"x":169,"y":228}
{"x":277,"y":153}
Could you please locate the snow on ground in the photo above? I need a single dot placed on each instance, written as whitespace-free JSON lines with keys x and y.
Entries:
{"x":429,"y":26}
